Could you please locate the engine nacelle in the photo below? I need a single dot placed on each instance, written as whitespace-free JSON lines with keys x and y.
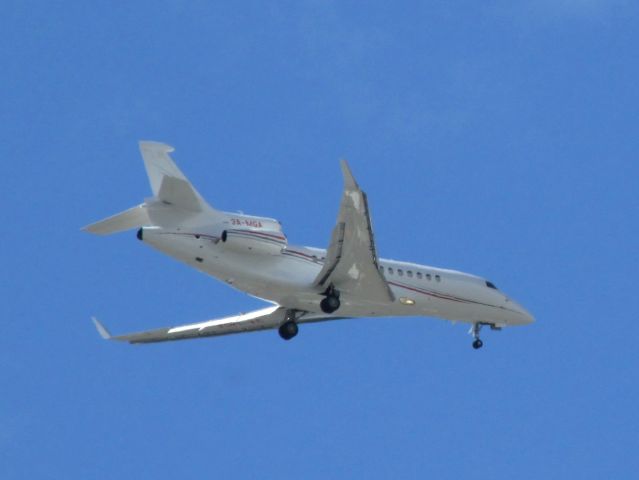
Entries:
{"x":270,"y":242}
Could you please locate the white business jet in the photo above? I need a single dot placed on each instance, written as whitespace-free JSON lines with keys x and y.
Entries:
{"x":304,"y":284}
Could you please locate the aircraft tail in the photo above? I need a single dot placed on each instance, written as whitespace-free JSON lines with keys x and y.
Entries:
{"x":168,"y":183}
{"x":174,"y":198}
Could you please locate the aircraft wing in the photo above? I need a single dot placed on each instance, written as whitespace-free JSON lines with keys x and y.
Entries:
{"x":264,"y":319}
{"x":270,"y":317}
{"x":351,"y":260}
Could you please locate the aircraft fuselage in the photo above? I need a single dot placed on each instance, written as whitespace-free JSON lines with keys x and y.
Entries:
{"x":286,"y":278}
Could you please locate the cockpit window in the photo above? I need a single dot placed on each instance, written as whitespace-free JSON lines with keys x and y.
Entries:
{"x":490,"y":285}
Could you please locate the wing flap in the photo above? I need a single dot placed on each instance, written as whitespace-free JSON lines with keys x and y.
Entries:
{"x":333,"y":255}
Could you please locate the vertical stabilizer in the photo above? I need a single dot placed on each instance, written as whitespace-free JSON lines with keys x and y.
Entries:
{"x":174,"y":202}
{"x":168,"y":183}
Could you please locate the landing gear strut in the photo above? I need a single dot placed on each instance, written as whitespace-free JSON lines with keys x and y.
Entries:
{"x":474,"y":331}
{"x":477,"y":343}
{"x":289,"y":328}
{"x":331,"y":302}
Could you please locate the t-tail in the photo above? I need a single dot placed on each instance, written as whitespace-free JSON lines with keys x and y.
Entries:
{"x":174,"y":201}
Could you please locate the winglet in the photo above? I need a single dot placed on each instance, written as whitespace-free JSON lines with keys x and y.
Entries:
{"x":349,"y":180}
{"x":104,"y":333}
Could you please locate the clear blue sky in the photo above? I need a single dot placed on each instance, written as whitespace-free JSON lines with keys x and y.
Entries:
{"x":498,"y":138}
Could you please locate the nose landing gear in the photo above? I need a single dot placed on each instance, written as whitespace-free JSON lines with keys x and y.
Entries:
{"x":474,"y":331}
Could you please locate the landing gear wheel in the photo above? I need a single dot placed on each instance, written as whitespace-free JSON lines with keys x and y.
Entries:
{"x":288,"y":330}
{"x":330,"y":304}
{"x":477,"y":344}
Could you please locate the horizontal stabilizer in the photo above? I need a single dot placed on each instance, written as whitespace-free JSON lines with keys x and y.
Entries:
{"x":132,"y":218}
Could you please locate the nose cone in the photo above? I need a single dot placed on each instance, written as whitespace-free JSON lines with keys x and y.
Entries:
{"x":523,"y":316}
{"x":527,"y":316}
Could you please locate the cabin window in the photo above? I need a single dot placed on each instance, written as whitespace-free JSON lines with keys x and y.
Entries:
{"x":390,"y":270}
{"x":400,"y":272}
{"x":438,"y":278}
{"x":428,"y":277}
{"x":409,"y":273}
{"x":419,"y":275}
{"x":490,"y":285}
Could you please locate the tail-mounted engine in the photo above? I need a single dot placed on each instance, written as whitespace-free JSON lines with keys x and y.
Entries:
{"x":254,"y":241}
{"x":254,"y":235}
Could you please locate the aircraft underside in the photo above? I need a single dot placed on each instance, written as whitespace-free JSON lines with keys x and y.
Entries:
{"x":252,"y":254}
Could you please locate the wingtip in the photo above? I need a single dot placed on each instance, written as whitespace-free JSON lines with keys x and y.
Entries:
{"x":349,"y":180}
{"x":104,"y":333}
{"x":89,"y":229}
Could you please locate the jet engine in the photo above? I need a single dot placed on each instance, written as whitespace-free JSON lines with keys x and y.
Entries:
{"x":269,"y":242}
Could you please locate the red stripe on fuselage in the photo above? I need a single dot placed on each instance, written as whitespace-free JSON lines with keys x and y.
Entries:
{"x":253,"y":232}
{"x":443,"y":296}
{"x":310,"y":257}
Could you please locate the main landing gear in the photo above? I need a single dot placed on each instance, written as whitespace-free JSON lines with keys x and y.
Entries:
{"x":289,"y":328}
{"x":476,"y":328}
{"x":331,"y":302}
